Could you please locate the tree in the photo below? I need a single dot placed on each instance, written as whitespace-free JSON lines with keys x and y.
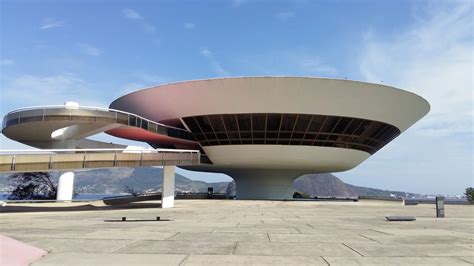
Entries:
{"x":301,"y":195}
{"x":470,"y":194}
{"x":132,"y":191}
{"x":33,"y":186}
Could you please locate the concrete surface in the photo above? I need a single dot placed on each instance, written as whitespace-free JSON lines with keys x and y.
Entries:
{"x":14,"y":252}
{"x":232,"y":232}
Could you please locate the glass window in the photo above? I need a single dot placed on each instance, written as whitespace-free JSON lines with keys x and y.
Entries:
{"x":192,"y":124}
{"x":230,"y":122}
{"x":316,"y":130}
{"x":216,"y":122}
{"x":302,"y":122}
{"x":145,"y":124}
{"x":342,"y":125}
{"x":273,"y":122}
{"x":132,"y":121}
{"x":259,"y":121}
{"x":363,"y":126}
{"x":316,"y":123}
{"x":288,"y":122}
{"x":244,"y":122}
{"x":353,"y":126}
{"x":330,"y":123}
{"x":203,"y":123}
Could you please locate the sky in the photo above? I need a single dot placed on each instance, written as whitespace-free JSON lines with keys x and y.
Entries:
{"x":92,"y":52}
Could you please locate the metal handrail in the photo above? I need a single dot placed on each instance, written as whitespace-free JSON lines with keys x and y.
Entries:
{"x":47,"y":151}
{"x":92,"y":108}
{"x":47,"y":159}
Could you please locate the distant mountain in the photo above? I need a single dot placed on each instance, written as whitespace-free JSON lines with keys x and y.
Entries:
{"x":115,"y":181}
{"x":328,"y":185}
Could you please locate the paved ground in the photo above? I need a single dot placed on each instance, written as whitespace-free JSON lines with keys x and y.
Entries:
{"x":207,"y":232}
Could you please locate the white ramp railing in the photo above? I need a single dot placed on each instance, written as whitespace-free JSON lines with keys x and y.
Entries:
{"x":70,"y":159}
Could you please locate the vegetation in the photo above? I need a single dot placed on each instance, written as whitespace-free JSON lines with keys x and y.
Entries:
{"x":132,"y":191}
{"x":33,"y":186}
{"x":301,"y":195}
{"x":470,"y":194}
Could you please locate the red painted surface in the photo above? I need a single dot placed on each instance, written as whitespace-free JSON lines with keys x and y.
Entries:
{"x":14,"y":252}
{"x":139,"y":134}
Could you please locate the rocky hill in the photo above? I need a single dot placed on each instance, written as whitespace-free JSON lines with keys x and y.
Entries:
{"x":328,"y":185}
{"x":115,"y":181}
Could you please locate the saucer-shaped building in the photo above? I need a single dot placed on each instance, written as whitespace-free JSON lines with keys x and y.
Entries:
{"x":265,"y":132}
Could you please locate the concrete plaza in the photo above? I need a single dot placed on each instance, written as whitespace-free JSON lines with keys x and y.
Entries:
{"x":220,"y":232}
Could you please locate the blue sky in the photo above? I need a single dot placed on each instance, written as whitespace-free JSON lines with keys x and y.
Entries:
{"x":92,"y":52}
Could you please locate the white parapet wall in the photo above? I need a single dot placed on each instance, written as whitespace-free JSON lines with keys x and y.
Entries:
{"x":167,"y":195}
{"x":65,"y":186}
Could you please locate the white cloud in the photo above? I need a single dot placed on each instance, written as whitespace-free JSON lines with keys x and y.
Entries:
{"x":88,"y":49}
{"x":433,"y":58}
{"x":131,"y":14}
{"x":295,"y":62}
{"x":148,"y":28}
{"x":28,"y":90}
{"x":189,"y":26}
{"x":215,"y":64}
{"x":6,"y":62}
{"x":149,"y":79}
{"x":237,"y":3}
{"x":284,"y":16}
{"x":50,"y":23}
{"x":134,"y":15}
{"x":206,"y":52}
{"x":313,"y":65}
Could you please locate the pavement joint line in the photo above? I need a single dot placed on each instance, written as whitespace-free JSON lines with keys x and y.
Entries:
{"x":353,"y":249}
{"x":454,"y":245}
{"x":382,"y":232}
{"x":369,"y":238}
{"x":112,"y":250}
{"x":235,"y":247}
{"x":184,"y":260}
{"x":327,"y":262}
{"x":461,"y":260}
{"x":169,"y":238}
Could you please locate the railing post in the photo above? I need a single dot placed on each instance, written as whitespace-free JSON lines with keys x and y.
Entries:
{"x":12,"y":167}
{"x":84,"y":160}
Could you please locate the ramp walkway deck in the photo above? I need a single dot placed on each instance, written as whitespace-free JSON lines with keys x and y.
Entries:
{"x":70,"y":159}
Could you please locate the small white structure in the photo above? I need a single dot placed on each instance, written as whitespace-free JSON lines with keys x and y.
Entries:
{"x":167,"y":195}
{"x":65,"y":186}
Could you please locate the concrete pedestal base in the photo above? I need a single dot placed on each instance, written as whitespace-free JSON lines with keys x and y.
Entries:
{"x":264,"y":184}
{"x":167,"y":195}
{"x":65,"y":186}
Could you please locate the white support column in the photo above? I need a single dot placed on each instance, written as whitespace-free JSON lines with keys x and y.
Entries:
{"x":167,"y":194}
{"x":65,"y":186}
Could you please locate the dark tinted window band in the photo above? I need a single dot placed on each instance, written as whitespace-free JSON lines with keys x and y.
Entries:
{"x":291,"y":129}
